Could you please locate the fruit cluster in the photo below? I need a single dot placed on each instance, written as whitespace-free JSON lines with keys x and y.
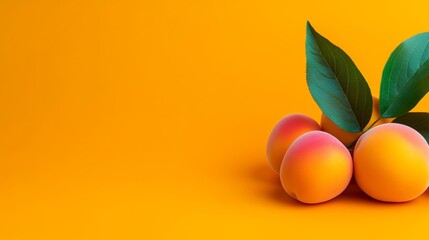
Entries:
{"x":382,"y":144}
{"x":390,"y":162}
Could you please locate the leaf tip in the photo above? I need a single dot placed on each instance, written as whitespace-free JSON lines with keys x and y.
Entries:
{"x":309,"y":26}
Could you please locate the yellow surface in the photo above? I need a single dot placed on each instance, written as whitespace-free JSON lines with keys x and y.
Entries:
{"x":148,"y":119}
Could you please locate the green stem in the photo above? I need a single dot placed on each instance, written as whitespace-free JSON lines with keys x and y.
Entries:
{"x":372,"y":125}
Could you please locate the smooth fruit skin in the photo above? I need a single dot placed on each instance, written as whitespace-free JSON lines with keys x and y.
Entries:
{"x":391,"y":163}
{"x":316,"y":168}
{"x":284,"y":133}
{"x":346,"y":137}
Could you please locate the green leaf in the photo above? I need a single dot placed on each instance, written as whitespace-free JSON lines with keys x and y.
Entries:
{"x":417,"y":120}
{"x":405,"y":79}
{"x":336,"y":84}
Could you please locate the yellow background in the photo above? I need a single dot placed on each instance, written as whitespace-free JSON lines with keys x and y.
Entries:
{"x":148,"y":119}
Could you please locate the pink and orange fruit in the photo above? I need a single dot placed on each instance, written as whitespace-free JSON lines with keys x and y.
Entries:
{"x":316,"y":168}
{"x":284,"y":133}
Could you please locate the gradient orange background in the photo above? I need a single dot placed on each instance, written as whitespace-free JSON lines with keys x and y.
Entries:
{"x":149,"y":119}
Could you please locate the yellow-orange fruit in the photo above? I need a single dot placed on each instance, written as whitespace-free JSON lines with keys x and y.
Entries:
{"x":346,"y":137}
{"x":316,"y":168}
{"x":284,"y":133}
{"x":391,"y":163}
